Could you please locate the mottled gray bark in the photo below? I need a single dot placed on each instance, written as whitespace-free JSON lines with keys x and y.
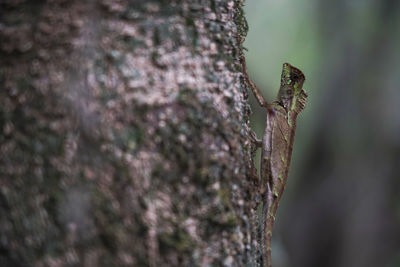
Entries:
{"x":123,"y":134}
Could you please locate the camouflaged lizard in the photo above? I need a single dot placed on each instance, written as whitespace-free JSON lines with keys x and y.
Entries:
{"x":277,"y":145}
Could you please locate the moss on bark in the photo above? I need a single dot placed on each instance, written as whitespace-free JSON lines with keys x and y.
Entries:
{"x":123,"y":134}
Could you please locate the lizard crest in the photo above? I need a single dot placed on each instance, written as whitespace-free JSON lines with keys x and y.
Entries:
{"x":291,"y":94}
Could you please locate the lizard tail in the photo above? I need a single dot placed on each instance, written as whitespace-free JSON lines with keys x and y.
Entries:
{"x":269,"y":211}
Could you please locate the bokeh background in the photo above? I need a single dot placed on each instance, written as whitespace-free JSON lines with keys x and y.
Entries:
{"x":342,"y":202}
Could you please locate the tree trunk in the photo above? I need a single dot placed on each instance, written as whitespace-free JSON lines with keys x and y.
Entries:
{"x":124,"y":134}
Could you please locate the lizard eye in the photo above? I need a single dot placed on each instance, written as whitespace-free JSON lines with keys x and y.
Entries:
{"x":289,"y":91}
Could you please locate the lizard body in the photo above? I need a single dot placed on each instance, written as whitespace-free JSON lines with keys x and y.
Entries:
{"x":277,"y":146}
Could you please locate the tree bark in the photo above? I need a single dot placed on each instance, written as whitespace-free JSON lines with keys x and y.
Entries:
{"x":124,"y":134}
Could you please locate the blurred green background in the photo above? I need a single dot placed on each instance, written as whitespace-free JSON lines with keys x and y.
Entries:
{"x":342,"y":202}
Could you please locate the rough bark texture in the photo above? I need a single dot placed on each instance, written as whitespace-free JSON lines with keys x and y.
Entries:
{"x":123,"y":134}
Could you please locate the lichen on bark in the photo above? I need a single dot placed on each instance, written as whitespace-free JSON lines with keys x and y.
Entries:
{"x":123,"y":134}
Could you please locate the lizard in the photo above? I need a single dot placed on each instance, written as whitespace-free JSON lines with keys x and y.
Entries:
{"x":276,"y":145}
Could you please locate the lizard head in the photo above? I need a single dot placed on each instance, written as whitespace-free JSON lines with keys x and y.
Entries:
{"x":291,"y":94}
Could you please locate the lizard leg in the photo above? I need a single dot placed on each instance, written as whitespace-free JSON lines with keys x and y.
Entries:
{"x":255,"y":144}
{"x":253,"y":138}
{"x":254,"y":88}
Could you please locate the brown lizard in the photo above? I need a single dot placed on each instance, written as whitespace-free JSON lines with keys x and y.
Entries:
{"x":277,"y":145}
